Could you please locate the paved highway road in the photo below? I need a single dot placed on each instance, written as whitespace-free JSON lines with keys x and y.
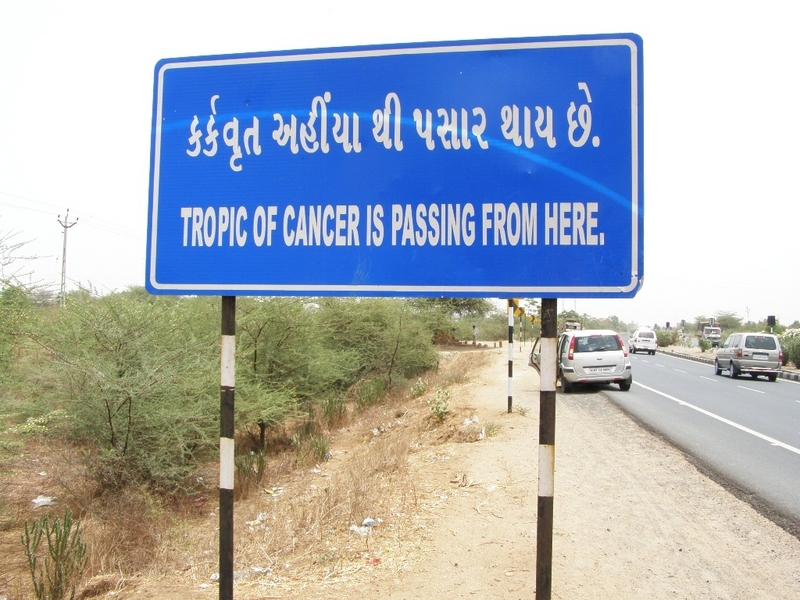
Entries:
{"x":746,"y":431}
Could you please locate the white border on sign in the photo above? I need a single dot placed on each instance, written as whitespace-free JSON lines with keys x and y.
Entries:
{"x":404,"y":289}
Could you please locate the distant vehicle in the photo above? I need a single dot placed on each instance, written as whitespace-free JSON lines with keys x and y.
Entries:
{"x":753,"y":354}
{"x":713,"y":335}
{"x":588,"y":356}
{"x":643,"y":339}
{"x":571,"y":325}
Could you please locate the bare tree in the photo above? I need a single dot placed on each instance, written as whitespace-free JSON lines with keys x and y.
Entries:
{"x":9,"y":254}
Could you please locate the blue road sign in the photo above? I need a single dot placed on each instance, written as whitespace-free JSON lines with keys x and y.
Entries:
{"x":490,"y":168}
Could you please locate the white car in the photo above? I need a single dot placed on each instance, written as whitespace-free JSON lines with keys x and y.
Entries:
{"x":589,"y":356}
{"x":643,"y":339}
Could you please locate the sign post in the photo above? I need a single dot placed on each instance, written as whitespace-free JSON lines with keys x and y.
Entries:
{"x":489,"y":168}
{"x":226,"y":445}
{"x":547,"y":449}
{"x":512,"y":304}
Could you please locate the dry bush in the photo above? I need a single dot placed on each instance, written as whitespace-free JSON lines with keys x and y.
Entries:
{"x":15,"y":578}
{"x":125,"y":531}
{"x":250,"y":470}
{"x":307,"y":524}
{"x":456,"y":367}
{"x":310,"y":524}
{"x":371,"y":477}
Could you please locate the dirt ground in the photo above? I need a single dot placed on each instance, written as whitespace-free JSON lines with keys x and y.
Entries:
{"x":633,"y":517}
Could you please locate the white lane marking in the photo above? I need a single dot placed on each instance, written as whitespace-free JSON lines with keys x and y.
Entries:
{"x":766,"y":438}
{"x":709,"y":378}
{"x":779,"y":380}
{"x":741,"y":387}
{"x":679,"y":371}
{"x":660,"y":366}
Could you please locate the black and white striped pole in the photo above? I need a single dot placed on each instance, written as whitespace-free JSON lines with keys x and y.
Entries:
{"x":226,"y":458}
{"x":510,"y":351}
{"x":547,"y":449}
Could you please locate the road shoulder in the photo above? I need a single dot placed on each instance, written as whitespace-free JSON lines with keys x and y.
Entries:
{"x":633,"y":517}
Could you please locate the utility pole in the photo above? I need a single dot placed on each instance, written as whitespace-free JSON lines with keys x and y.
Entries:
{"x":65,"y":224}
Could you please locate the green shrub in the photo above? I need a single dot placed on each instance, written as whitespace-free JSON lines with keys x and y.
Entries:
{"x":310,"y":447}
{"x":790,"y":344}
{"x":138,"y":381}
{"x":40,"y":424}
{"x":665,"y":338}
{"x":371,"y":337}
{"x":440,"y":404}
{"x":65,"y":560}
{"x":137,"y":376}
{"x":302,"y":355}
{"x":334,"y":410}
{"x":419,"y":388}
{"x":705,"y":345}
{"x":15,"y":311}
{"x":370,"y":391}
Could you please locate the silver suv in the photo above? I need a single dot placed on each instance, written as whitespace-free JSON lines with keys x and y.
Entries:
{"x":751,"y":353}
{"x":589,"y":356}
{"x":643,"y":339}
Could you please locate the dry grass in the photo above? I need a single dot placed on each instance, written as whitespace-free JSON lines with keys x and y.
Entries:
{"x":125,"y":533}
{"x":298,"y":528}
{"x":293,"y":528}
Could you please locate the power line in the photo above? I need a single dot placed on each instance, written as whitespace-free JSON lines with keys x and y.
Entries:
{"x":95,"y":222}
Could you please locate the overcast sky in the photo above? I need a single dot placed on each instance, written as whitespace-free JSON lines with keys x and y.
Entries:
{"x":721,"y":133}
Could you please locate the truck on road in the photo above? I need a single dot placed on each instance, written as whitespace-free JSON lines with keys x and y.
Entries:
{"x":713,"y":334}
